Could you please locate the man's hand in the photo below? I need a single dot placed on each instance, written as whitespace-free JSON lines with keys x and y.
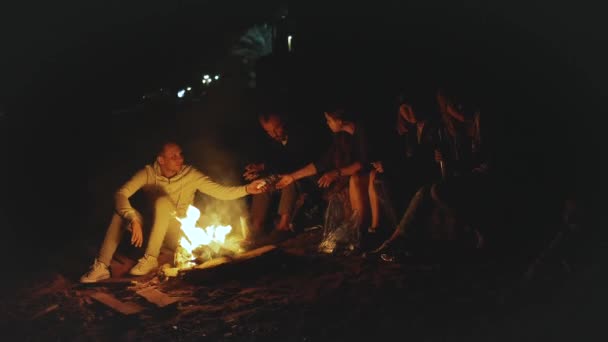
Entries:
{"x":378,"y":166}
{"x":252,"y":171}
{"x":284,"y":181}
{"x":328,"y":178}
{"x":137,"y":235}
{"x":257,"y":187}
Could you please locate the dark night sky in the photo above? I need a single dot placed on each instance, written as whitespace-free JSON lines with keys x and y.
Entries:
{"x":112,"y":49}
{"x":108,"y":51}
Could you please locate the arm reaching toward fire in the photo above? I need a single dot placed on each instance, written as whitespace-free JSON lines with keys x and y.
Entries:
{"x":304,"y":172}
{"x":205,"y":185}
{"x":256,"y":187}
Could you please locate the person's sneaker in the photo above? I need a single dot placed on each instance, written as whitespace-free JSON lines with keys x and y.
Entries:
{"x":144,"y":266}
{"x":99,"y":271}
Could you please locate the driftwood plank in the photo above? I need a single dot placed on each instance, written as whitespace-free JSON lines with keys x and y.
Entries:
{"x":126,"y":308}
{"x":157,"y":297}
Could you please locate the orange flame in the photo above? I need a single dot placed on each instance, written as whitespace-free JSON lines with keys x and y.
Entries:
{"x":213,"y":236}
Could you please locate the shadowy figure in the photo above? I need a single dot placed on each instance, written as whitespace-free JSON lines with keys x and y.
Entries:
{"x":407,"y":161}
{"x":170,"y":185}
{"x":344,"y":168}
{"x":290,"y":150}
{"x":456,"y":204}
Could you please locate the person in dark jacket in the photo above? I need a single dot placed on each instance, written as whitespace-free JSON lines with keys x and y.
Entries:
{"x":409,"y":162}
{"x":289,"y":150}
{"x":460,"y":193}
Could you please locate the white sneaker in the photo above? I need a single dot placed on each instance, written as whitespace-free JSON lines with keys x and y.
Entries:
{"x":99,"y":271}
{"x":144,"y":266}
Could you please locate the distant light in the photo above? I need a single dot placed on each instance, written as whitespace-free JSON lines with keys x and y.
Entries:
{"x":189,"y":88}
{"x":143,"y":97}
{"x":181,"y":93}
{"x":204,"y":81}
{"x":289,"y":38}
{"x":217,"y":77}
{"x":206,"y":76}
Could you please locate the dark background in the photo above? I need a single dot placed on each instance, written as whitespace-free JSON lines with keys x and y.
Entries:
{"x":66,"y":68}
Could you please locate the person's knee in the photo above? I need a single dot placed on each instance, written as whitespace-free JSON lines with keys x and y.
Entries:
{"x":359,"y":181}
{"x":173,"y":236}
{"x":355,"y":180}
{"x":163,"y":206}
{"x":163,"y":202}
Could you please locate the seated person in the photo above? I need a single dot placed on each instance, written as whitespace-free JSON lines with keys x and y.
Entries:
{"x":408,"y":160}
{"x":170,"y":185}
{"x":290,"y":150}
{"x":460,"y":194}
{"x":344,"y":167}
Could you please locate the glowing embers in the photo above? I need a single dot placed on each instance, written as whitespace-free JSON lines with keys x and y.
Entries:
{"x":198,"y":245}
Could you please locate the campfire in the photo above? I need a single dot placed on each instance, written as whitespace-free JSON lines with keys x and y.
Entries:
{"x":199,"y":244}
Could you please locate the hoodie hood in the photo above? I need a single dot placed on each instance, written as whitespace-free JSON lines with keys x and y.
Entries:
{"x":182,"y":172}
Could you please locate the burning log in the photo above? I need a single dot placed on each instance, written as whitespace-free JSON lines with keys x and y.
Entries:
{"x":249,"y":263}
{"x":201,"y":244}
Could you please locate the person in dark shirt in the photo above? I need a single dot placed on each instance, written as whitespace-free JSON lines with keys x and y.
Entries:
{"x":288,"y":151}
{"x":345,"y":164}
{"x":461,"y":191}
{"x":408,"y":163}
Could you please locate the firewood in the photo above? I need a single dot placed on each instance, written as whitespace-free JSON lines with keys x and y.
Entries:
{"x":125,"y":308}
{"x":239,"y":265}
{"x":157,"y":297}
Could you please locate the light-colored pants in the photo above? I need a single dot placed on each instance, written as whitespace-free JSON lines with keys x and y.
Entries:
{"x":165,"y":228}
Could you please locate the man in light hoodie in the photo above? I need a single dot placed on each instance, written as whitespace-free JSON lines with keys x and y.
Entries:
{"x":172,"y":186}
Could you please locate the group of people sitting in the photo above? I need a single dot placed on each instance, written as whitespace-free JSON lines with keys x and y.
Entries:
{"x":434,"y":165}
{"x":433,"y":168}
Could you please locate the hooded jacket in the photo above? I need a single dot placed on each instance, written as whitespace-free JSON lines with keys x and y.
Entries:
{"x":180,"y":188}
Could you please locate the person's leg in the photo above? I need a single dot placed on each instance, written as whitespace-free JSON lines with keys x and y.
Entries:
{"x":359,"y":200}
{"x":259,"y":211}
{"x":100,"y":269}
{"x":374,"y":202}
{"x":163,"y":213}
{"x":163,"y":209}
{"x":173,"y":236}
{"x":287,"y":203}
{"x":111,"y":240}
{"x":410,"y":214}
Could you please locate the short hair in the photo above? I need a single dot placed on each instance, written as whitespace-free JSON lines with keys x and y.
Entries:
{"x":160,"y":147}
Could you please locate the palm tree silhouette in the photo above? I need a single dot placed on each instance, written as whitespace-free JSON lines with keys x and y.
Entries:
{"x":255,"y":43}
